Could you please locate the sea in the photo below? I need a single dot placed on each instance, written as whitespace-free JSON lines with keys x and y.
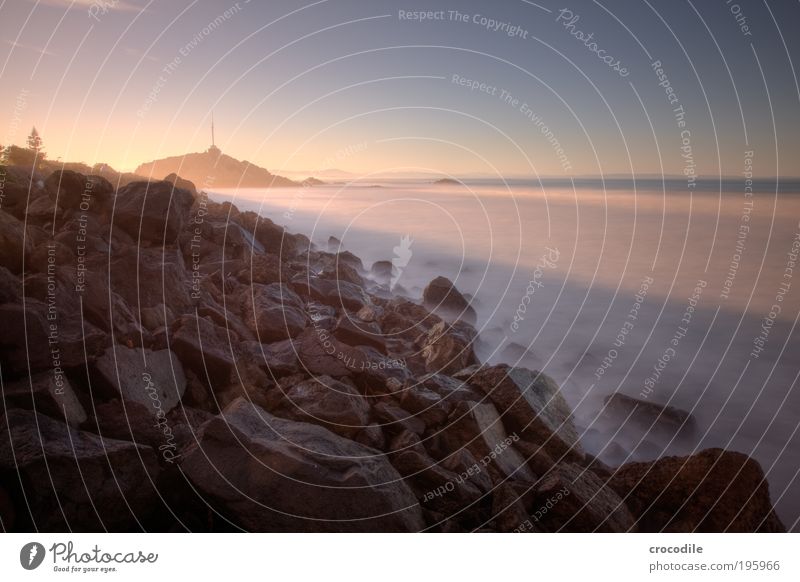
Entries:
{"x":681,"y":295}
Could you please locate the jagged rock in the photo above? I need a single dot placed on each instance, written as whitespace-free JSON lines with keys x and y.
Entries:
{"x":427,"y":404}
{"x":479,"y":429}
{"x":13,"y":244}
{"x":154,"y":212}
{"x":327,"y":402}
{"x":573,"y":499}
{"x":509,"y":510}
{"x":711,"y":491}
{"x":442,"y":298}
{"x":203,"y":348}
{"x":338,"y":294}
{"x":371,"y":436}
{"x":642,"y":415}
{"x":70,"y":189}
{"x":276,"y":359}
{"x":435,"y":487}
{"x":179,"y":182}
{"x":395,"y":418}
{"x":73,"y":480}
{"x":354,"y":333}
{"x":50,"y":393}
{"x":20,"y":323}
{"x":452,"y":391}
{"x":271,"y":474}
{"x":531,"y":405}
{"x":273,"y":312}
{"x":340,"y":271}
{"x":448,"y":348}
{"x":154,"y":379}
{"x":10,"y":286}
{"x":382,"y":271}
{"x":264,"y":269}
{"x":148,"y":277}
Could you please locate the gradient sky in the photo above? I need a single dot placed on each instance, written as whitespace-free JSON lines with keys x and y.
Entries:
{"x":302,"y":86}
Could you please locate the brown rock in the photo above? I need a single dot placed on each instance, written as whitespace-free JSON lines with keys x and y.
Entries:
{"x":271,"y":474}
{"x":532,"y":406}
{"x":711,"y":491}
{"x":75,"y":480}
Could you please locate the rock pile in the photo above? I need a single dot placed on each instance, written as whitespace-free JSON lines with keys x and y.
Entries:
{"x":172,"y":363}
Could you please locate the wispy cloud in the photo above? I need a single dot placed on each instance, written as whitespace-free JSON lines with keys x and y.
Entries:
{"x":37,"y":49}
{"x":107,"y":5}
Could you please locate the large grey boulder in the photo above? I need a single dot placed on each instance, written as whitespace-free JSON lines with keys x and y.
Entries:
{"x":49,"y":393}
{"x":329,"y":403}
{"x":271,"y":474}
{"x":154,"y":212}
{"x":152,"y":378}
{"x":273,"y":312}
{"x":74,"y":480}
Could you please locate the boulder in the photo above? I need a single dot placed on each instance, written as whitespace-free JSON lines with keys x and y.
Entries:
{"x":10,"y":286}
{"x":276,"y":359}
{"x":264,"y":269}
{"x":441,"y":297}
{"x":393,"y":418}
{"x":478,"y":428}
{"x":436,"y":487}
{"x":357,"y":333}
{"x":154,"y":379}
{"x":148,"y":277}
{"x":448,"y":348}
{"x":273,"y":312}
{"x":650,"y":417}
{"x":14,"y":245}
{"x":204,"y":348}
{"x":73,"y":480}
{"x":270,"y":474}
{"x":327,"y":402}
{"x":69,"y":189}
{"x":49,"y":393}
{"x":711,"y":491}
{"x":451,"y":391}
{"x":179,"y":182}
{"x":21,"y":324}
{"x":532,"y":406}
{"x":338,"y":294}
{"x":154,"y":212}
{"x":382,"y":271}
{"x":571,"y":498}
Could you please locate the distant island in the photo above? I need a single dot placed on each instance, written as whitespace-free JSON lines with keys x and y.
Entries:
{"x":448,"y":182}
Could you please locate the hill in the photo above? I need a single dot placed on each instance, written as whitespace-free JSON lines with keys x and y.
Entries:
{"x":212,"y":168}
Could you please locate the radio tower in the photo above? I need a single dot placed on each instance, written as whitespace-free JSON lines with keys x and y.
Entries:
{"x":213,"y":149}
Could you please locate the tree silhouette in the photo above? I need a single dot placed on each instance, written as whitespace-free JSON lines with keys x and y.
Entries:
{"x":35,"y":146}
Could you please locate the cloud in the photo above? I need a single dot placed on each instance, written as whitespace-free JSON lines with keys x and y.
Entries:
{"x":105,"y":5}
{"x":41,"y":51}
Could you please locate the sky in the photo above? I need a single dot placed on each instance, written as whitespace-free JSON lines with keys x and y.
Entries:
{"x":511,"y":88}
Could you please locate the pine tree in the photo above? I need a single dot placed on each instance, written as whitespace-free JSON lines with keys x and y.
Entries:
{"x":35,"y":142}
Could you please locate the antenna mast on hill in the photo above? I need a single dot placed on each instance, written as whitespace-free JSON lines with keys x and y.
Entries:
{"x":213,"y":149}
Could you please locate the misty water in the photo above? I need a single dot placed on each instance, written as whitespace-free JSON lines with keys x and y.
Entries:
{"x":690,"y":276}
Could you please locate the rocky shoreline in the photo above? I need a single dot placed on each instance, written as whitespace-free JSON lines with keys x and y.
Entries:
{"x":170,"y":363}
